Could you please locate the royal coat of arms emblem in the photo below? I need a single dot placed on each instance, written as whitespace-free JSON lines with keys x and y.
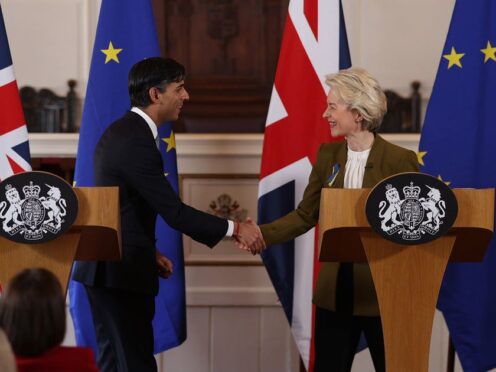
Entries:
{"x":41,"y":213}
{"x":426,"y":209}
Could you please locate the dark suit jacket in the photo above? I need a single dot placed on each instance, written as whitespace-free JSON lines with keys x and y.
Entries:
{"x":385,"y":159}
{"x":126,"y":156}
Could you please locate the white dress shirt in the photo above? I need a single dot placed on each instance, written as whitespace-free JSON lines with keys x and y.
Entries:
{"x":355,"y":168}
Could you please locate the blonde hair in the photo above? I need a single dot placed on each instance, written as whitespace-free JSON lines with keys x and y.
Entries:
{"x":360,"y":92}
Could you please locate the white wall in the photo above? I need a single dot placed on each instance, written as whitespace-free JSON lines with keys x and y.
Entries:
{"x":398,"y":41}
{"x":51,"y":41}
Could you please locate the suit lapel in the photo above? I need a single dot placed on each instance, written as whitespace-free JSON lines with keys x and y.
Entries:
{"x":375,"y":156}
{"x":341,"y":158}
{"x":142,"y":126}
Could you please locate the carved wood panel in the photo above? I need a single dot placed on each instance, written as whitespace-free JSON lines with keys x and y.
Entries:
{"x":230,"y":49}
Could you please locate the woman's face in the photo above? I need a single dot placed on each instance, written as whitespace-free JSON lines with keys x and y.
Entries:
{"x":342,"y":120}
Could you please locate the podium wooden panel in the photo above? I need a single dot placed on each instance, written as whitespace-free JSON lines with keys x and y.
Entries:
{"x":407,"y":278}
{"x":95,"y":235}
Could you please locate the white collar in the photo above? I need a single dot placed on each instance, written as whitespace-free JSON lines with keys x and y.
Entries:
{"x":149,"y":121}
{"x":358,"y":155}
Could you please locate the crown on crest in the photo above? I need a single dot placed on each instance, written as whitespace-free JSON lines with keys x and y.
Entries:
{"x":390,"y":190}
{"x":31,"y":191}
{"x":411,"y":192}
{"x":8,"y":187}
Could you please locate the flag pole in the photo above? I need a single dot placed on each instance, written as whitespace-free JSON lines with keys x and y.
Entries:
{"x":451,"y":356}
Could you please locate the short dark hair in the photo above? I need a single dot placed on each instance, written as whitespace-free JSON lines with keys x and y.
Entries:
{"x":152,"y":72}
{"x":32,"y":312}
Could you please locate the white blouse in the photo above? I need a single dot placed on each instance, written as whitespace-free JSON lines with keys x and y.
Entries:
{"x":355,"y":168}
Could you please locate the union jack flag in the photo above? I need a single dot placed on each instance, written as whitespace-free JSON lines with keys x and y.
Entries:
{"x":14,"y":145}
{"x":314,"y":44}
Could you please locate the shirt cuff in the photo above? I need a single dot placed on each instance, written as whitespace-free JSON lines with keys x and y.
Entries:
{"x":230,"y":228}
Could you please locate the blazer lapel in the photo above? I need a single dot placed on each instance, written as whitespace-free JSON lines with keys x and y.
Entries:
{"x":341,"y":158}
{"x":375,"y":156}
{"x":142,"y":126}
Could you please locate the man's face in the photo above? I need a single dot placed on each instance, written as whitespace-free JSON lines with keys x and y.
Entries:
{"x":171,"y":101}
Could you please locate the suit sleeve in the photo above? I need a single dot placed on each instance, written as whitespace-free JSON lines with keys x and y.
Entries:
{"x":304,"y":217}
{"x":145,"y":174}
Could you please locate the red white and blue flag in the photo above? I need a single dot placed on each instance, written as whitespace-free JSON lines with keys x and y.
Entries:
{"x":14,"y":145}
{"x":314,"y":44}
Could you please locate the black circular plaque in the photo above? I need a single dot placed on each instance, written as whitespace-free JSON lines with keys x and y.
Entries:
{"x":36,"y":207}
{"x":411,"y":208}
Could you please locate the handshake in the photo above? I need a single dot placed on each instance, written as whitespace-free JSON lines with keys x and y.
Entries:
{"x":248,"y":236}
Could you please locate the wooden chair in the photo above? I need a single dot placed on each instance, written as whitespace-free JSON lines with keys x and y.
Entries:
{"x":403,"y":115}
{"x":45,"y":111}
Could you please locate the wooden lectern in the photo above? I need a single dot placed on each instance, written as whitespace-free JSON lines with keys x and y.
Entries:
{"x":95,"y":235}
{"x":407,"y":279}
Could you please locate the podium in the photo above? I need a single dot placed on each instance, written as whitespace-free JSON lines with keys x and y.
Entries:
{"x":407,"y":278}
{"x":95,"y":235}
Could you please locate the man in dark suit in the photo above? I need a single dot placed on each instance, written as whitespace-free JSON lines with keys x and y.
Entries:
{"x":121,"y":293}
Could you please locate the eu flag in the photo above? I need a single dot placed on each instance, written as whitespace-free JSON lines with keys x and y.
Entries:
{"x":125,"y":35}
{"x":458,"y":145}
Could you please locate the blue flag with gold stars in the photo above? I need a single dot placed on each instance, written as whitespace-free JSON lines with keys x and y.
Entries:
{"x":458,"y":144}
{"x":125,"y":35}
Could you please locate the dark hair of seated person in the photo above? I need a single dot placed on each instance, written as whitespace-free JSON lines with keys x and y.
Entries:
{"x":32,"y":312}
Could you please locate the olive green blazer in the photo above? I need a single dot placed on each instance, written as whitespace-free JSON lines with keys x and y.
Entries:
{"x":385,"y":159}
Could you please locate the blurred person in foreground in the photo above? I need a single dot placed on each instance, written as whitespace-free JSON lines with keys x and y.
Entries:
{"x":32,"y":314}
{"x":345,"y":298}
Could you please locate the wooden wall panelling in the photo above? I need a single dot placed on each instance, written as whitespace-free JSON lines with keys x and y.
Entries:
{"x":230,"y":50}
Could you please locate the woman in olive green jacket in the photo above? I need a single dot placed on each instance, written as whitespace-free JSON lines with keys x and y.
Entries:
{"x":344,"y":295}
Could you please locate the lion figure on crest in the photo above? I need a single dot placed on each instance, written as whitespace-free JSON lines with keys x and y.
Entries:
{"x":14,"y":211}
{"x":393,"y":211}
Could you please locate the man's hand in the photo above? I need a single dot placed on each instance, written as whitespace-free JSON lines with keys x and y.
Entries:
{"x":164,"y":265}
{"x":249,"y":237}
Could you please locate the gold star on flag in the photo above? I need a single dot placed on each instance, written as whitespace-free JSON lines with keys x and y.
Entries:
{"x":489,"y":52}
{"x":420,"y":157}
{"x":441,"y":179}
{"x":454,"y":58}
{"x":170,"y":141}
{"x":111,"y":53}
{"x":166,"y":174}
